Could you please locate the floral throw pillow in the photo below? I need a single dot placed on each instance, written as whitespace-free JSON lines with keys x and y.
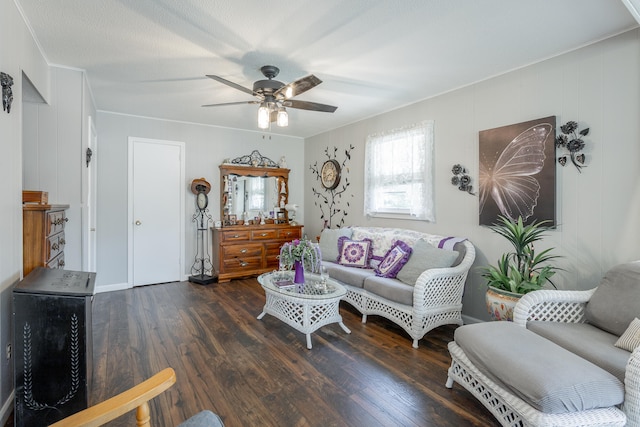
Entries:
{"x":354,"y":253}
{"x":394,"y":260}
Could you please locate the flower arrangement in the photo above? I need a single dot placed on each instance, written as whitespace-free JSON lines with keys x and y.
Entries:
{"x":301,"y":250}
{"x":572,"y":143}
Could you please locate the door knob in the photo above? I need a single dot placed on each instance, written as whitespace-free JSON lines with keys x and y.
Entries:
{"x":138,"y":222}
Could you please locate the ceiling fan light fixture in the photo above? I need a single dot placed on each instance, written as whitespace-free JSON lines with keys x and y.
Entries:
{"x":263,"y":116}
{"x":283,"y":117}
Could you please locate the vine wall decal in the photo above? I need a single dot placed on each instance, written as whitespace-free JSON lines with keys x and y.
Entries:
{"x":333,"y":203}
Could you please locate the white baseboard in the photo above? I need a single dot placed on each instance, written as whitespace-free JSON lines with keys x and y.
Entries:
{"x":7,"y":407}
{"x":114,"y":287}
{"x":122,"y":286}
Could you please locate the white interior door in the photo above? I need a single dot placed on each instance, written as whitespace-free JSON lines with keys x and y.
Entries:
{"x":156,"y":211}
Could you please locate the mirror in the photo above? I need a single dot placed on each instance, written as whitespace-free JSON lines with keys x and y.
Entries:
{"x":259,"y":192}
{"x":255,"y":195}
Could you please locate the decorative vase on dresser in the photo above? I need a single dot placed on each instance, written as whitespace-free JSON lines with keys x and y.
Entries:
{"x":43,"y":239}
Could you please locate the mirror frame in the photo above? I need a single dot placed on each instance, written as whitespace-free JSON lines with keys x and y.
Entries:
{"x":281,"y":175}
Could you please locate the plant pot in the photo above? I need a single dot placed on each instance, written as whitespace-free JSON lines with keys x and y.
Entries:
{"x":500,"y":304}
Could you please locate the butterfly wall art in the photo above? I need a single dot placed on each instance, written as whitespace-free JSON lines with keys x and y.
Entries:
{"x":517,"y":172}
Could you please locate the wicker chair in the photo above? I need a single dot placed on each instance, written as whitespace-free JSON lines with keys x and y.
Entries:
{"x":511,"y":410}
{"x":569,"y":306}
{"x":136,"y":398}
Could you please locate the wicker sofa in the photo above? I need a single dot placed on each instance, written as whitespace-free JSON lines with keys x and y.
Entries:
{"x":427,"y":291}
{"x":598,"y":328}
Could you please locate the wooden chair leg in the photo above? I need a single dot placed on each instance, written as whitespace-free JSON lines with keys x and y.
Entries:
{"x":143,"y":415}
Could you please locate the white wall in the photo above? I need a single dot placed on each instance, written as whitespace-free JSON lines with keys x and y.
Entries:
{"x":55,"y":140}
{"x":206,"y":148}
{"x":18,"y":54}
{"x":598,"y":211}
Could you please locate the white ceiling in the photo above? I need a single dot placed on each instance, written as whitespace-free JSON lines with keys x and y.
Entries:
{"x":150,"y":57}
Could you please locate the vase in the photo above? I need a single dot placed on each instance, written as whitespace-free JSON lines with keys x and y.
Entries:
{"x":500,"y":304}
{"x":299,"y":269}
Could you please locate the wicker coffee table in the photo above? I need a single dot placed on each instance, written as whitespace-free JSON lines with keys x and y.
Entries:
{"x":305,"y":307}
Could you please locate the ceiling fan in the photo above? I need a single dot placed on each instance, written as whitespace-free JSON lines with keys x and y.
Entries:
{"x":274,"y":96}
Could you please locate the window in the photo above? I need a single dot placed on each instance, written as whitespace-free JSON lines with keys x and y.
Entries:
{"x":399,"y":173}
{"x":255,"y":194}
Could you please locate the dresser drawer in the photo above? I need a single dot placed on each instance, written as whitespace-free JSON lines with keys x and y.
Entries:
{"x":55,"y":245}
{"x":55,"y":222}
{"x":230,"y":236}
{"x":235,"y":265}
{"x":273,"y":261}
{"x":290,"y":234}
{"x":242,"y":251}
{"x":263,"y":234}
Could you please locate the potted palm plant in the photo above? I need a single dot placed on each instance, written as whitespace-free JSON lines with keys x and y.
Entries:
{"x":520,"y":271}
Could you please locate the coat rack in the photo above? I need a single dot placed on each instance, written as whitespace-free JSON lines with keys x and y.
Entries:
{"x":201,"y":270}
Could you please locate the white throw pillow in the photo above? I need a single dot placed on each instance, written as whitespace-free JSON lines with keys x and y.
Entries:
{"x":630,"y":340}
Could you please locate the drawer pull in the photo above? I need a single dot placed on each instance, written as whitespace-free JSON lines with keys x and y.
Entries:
{"x":55,"y":246}
{"x":264,"y":234}
{"x":244,"y":251}
{"x":61,"y":263}
{"x":62,"y":241}
{"x":243,"y":264}
{"x":235,"y":236}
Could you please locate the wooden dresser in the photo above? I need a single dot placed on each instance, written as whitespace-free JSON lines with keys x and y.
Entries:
{"x":43,"y":236}
{"x":250,"y":250}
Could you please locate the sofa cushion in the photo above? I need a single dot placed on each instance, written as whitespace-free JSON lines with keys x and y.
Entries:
{"x":630,"y":340}
{"x":354,"y":253}
{"x":616,"y":301}
{"x":587,"y":341}
{"x":423,"y":257}
{"x":545,"y":375}
{"x":391,"y":289}
{"x":329,"y":242}
{"x":384,"y":238}
{"x":348,"y":275}
{"x":394,"y":260}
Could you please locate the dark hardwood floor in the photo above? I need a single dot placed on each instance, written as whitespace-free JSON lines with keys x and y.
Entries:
{"x":260,"y":373}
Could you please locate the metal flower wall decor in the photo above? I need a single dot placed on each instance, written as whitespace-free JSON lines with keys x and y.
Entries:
{"x":461,"y":179}
{"x":571,"y":142}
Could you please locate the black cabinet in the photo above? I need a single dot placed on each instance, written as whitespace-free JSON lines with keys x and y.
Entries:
{"x":53,"y":345}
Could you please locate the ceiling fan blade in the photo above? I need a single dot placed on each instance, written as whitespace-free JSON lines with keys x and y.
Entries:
{"x":299,"y":86}
{"x":305,"y":105}
{"x":231,"y":103}
{"x":232,"y":84}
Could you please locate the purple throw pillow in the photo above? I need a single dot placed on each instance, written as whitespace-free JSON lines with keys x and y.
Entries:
{"x":354,"y":253}
{"x":394,"y":260}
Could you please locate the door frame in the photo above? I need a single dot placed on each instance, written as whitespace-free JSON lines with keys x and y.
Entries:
{"x":89,"y":198}
{"x":130,"y":226}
